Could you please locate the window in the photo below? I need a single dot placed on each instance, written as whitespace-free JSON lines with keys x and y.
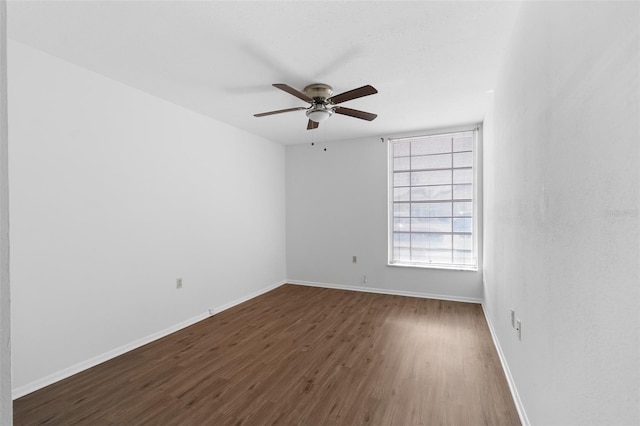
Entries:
{"x":432,"y":202}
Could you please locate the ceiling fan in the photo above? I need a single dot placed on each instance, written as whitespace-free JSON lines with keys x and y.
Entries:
{"x":323,"y":103}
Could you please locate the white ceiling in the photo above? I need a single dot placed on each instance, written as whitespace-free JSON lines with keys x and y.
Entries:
{"x":431,"y":61}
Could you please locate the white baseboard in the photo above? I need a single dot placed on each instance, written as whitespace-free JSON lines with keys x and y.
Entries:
{"x":248,"y":297}
{"x":505,"y":366}
{"x":77,"y":368}
{"x":388,"y":291}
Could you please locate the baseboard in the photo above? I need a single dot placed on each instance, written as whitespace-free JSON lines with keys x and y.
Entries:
{"x":77,"y":368}
{"x":387,"y":291}
{"x":248,"y":297}
{"x":505,"y":366}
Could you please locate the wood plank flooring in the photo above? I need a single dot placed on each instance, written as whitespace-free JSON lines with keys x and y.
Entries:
{"x":298,"y":356}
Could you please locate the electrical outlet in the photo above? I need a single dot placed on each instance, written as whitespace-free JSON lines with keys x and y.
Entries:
{"x":519,"y":329}
{"x":179,"y":283}
{"x":354,"y":259}
{"x":513,"y":318}
{"x":364,"y":279}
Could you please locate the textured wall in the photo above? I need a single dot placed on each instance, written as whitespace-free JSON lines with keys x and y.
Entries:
{"x":115,"y":194}
{"x":562,"y":211}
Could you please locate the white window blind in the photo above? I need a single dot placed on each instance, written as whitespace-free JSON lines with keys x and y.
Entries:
{"x":432,"y":200}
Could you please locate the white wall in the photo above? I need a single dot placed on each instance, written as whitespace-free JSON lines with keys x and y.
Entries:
{"x":337,"y":208}
{"x":562,"y":212}
{"x":114,"y":195}
{"x":6,"y":406}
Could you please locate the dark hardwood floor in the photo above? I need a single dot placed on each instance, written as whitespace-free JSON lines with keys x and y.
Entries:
{"x":298,"y":356}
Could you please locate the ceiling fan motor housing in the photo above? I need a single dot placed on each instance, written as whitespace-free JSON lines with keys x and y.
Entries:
{"x":318,"y":92}
{"x":319,"y":111}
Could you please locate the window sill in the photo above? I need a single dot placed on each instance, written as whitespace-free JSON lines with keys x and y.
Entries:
{"x":470,"y":268}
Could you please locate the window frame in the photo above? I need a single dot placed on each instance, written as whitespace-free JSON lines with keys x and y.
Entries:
{"x":476,"y":200}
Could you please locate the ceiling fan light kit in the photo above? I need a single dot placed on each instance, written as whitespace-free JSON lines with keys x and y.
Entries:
{"x":319,"y":113}
{"x":323,"y":103}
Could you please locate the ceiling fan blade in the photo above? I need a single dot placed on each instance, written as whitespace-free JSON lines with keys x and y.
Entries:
{"x":355,"y":113}
{"x":290,"y":90}
{"x":312,"y":125}
{"x":353,"y":94}
{"x":262,"y":114}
